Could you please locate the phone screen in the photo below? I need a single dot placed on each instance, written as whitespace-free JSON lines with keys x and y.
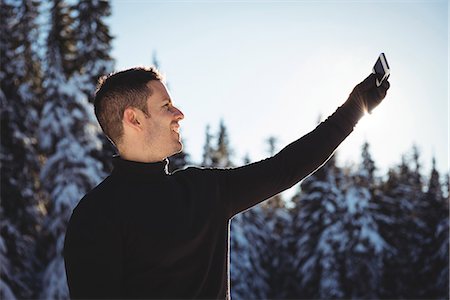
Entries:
{"x":378,"y":68}
{"x":381,"y":69}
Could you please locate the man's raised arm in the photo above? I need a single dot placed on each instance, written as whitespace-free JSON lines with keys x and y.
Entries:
{"x":248,"y":185}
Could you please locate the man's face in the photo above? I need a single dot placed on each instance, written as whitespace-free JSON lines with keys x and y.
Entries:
{"x":161,"y":128}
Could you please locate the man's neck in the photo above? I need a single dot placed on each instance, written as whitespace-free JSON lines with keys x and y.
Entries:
{"x":140,"y":156}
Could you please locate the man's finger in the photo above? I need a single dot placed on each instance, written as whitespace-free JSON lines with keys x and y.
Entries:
{"x":367,"y":83}
{"x":382,"y":90}
{"x":381,"y":94}
{"x":386,"y":85}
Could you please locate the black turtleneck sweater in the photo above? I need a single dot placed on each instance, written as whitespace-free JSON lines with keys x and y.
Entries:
{"x":144,"y":233}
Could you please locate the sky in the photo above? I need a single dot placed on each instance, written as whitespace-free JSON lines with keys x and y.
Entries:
{"x":274,"y":68}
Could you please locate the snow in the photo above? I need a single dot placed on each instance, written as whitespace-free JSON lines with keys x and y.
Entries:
{"x":68,"y":134}
{"x":54,"y":280}
{"x":374,"y":238}
{"x":352,"y":200}
{"x":4,"y":263}
{"x":5,"y":291}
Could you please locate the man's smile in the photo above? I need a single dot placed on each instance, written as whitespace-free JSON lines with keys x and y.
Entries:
{"x":176,"y":128}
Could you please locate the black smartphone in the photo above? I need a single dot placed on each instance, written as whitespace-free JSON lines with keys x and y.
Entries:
{"x":381,"y":69}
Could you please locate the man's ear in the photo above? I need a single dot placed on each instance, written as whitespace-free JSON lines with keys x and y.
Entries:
{"x":131,"y":118}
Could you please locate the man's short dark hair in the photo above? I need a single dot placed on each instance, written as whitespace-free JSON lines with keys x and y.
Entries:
{"x":118,"y":91}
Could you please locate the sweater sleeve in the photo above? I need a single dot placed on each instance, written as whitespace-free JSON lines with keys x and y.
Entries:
{"x":93,"y":255}
{"x":244,"y":187}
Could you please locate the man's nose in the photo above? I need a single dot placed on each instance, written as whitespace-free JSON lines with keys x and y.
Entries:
{"x":178,"y":114}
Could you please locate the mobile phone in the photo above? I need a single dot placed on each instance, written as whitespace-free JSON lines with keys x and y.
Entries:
{"x":381,"y":69}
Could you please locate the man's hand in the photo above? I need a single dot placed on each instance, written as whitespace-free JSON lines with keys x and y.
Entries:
{"x":367,"y":95}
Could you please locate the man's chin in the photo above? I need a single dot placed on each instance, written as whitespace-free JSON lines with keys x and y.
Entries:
{"x":178,"y":149}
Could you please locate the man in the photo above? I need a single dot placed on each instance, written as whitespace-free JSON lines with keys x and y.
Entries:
{"x":144,"y":233}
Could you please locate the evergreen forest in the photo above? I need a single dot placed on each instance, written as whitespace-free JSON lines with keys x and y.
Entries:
{"x":347,"y":233}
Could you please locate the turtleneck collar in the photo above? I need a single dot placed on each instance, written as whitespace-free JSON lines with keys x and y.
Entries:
{"x":139,"y":170}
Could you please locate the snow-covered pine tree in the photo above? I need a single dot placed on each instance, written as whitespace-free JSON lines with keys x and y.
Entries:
{"x":441,"y":255}
{"x":240,"y":261}
{"x":93,"y":44}
{"x":318,"y":237}
{"x":249,"y":242}
{"x":273,"y":254}
{"x":365,"y":247}
{"x":394,"y":222}
{"x":404,"y":229}
{"x":68,"y":134}
{"x":61,"y":42}
{"x":253,"y":279}
{"x":6,"y":269}
{"x":20,"y":98}
{"x":436,"y":258}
